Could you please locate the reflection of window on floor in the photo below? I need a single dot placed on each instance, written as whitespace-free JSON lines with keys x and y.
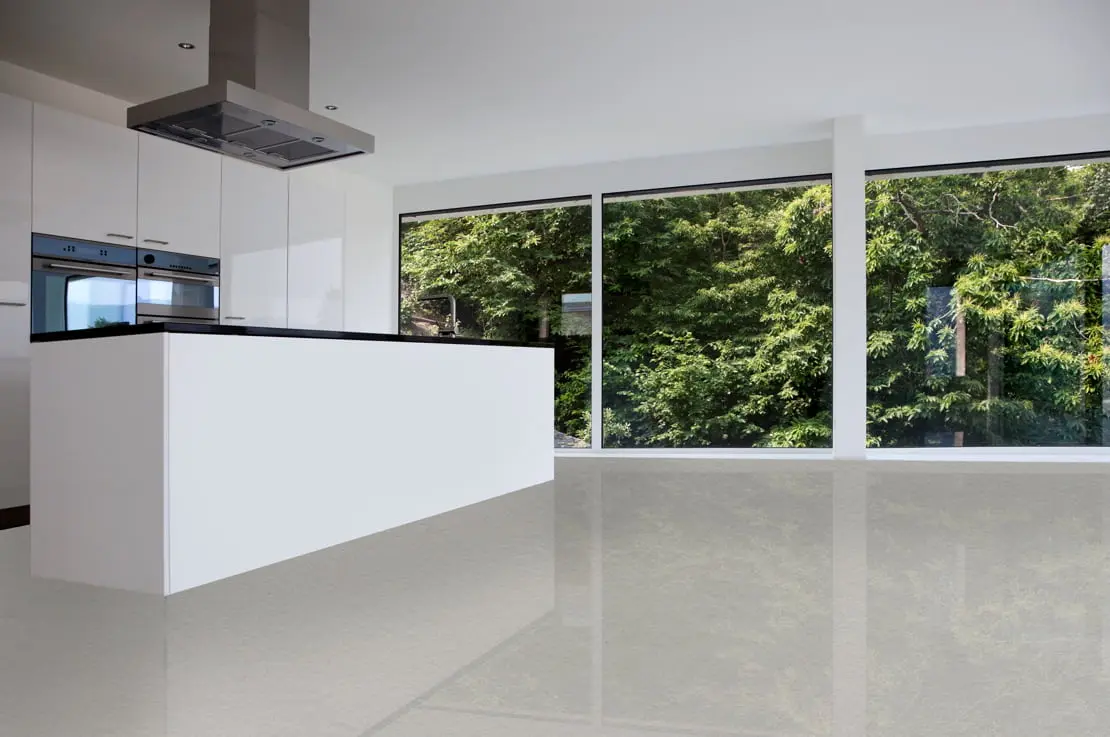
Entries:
{"x":520,"y":274}
{"x":986,"y":308}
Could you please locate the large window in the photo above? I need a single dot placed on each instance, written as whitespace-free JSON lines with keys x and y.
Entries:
{"x":987,"y":293}
{"x":717,"y":316}
{"x":987,"y":308}
{"x":520,"y":274}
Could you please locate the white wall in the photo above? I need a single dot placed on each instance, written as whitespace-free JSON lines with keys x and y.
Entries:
{"x":1087,"y":134}
{"x":36,"y":87}
{"x":666,"y":171}
{"x":1041,"y":138}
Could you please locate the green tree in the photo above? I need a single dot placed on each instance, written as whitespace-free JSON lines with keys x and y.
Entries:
{"x":718,"y":327}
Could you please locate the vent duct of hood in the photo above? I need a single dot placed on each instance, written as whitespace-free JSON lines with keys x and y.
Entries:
{"x":255,"y":105}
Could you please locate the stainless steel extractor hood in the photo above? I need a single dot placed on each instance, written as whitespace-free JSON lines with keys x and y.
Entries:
{"x":255,"y":105}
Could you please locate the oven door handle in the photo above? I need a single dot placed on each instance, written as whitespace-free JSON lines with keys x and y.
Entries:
{"x":90,"y":270}
{"x":174,"y":276}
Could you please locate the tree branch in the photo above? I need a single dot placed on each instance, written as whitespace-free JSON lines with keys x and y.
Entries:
{"x":990,"y":211}
{"x":911,"y":216}
{"x":1057,"y":281}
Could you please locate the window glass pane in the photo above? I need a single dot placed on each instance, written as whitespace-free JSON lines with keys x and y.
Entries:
{"x":987,"y":308}
{"x":522,"y":275}
{"x":718,"y":319}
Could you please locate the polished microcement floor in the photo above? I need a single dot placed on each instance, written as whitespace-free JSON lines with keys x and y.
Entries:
{"x":629,"y":597}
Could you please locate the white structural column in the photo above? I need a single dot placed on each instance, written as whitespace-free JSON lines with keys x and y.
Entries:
{"x":849,"y":290}
{"x":596,"y":363}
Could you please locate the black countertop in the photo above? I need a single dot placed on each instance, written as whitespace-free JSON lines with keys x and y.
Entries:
{"x":200,"y":329}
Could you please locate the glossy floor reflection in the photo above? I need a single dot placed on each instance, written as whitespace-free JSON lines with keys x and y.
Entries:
{"x":628,"y":598}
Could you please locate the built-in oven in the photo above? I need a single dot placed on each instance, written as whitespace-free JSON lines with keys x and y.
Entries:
{"x":176,"y":287}
{"x":80,"y":284}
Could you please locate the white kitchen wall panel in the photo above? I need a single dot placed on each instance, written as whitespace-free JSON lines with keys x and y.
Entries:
{"x":370,"y":259}
{"x":317,"y":230}
{"x":15,"y":269}
{"x":84,"y":178}
{"x":179,"y":198}
{"x":254,"y":245}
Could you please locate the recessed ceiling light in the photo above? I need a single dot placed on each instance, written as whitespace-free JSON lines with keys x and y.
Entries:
{"x":331,"y":107}
{"x":186,"y":45}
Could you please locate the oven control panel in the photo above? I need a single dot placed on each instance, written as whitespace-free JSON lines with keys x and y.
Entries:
{"x":48,"y":246}
{"x":179,"y":262}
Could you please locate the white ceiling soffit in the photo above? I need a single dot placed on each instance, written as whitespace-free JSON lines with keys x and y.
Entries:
{"x":123,"y":48}
{"x":455,"y":88}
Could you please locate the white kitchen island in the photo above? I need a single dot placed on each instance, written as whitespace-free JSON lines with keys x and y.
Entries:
{"x":165,"y":456}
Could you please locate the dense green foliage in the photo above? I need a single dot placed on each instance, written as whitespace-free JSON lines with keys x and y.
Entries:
{"x":718,"y":319}
{"x":1022,"y":255}
{"x":986,"y":309}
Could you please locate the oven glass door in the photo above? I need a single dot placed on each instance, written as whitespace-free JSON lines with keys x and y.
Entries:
{"x":168,"y":294}
{"x":75,"y":296}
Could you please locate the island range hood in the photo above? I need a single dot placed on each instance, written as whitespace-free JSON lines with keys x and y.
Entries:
{"x":255,"y":105}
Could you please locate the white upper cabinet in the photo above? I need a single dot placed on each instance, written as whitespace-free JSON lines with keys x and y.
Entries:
{"x":84,"y":177}
{"x":317,"y":226}
{"x":15,"y":273}
{"x":254,"y":245}
{"x":179,"y":198}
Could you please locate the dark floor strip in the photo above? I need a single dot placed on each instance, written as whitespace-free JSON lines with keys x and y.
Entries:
{"x":15,"y":517}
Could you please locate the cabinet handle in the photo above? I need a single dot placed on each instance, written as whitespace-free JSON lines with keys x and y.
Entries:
{"x":156,"y":241}
{"x":232,"y":317}
{"x":119,"y":235}
{"x":6,"y":303}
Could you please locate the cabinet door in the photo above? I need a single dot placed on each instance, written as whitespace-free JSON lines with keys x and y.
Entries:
{"x":179,"y":198}
{"x":317,"y":224}
{"x":15,"y":315}
{"x":85,"y":177}
{"x":254,"y":245}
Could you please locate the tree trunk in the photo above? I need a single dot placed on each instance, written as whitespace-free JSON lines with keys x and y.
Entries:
{"x":994,"y":384}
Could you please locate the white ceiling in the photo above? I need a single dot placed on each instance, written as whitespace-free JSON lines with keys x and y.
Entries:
{"x":457,"y":88}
